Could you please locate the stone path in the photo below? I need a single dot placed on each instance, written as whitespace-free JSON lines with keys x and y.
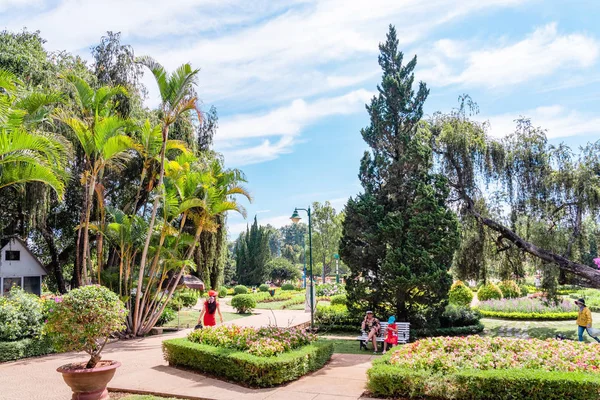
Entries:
{"x":143,"y":369}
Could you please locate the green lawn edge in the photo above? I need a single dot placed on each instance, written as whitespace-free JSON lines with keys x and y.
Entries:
{"x":529,"y":316}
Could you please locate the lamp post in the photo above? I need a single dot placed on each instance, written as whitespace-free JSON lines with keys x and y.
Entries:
{"x":295,"y":219}
{"x":337,"y":267}
{"x":304,"y":270}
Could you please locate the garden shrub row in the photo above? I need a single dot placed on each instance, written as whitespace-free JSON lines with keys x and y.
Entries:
{"x":30,"y":347}
{"x":452,"y":331}
{"x":388,"y":381}
{"x":238,"y":366}
{"x":547,"y":316}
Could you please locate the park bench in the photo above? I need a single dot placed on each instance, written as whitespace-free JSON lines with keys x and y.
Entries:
{"x":403,"y":333}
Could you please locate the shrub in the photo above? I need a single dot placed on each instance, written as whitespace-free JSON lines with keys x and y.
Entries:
{"x":548,"y":316}
{"x":509,"y":289}
{"x":264,"y":287}
{"x":524,"y":290}
{"x":453,"y":331}
{"x":336,"y":318}
{"x":243,"y":303}
{"x":293,"y":301}
{"x":527,"y":308}
{"x":488,"y":292}
{"x":21,"y":315}
{"x":330,"y":289}
{"x":240,"y":289}
{"x":239,"y":366}
{"x":84,"y":320}
{"x":167,"y":316}
{"x":30,"y":347}
{"x":460,"y":294}
{"x":186,"y":297}
{"x":457,"y":316}
{"x":339,"y":299}
{"x":287,"y":286}
{"x":222,"y":292}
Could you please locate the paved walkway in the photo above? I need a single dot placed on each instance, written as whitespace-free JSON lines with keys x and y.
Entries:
{"x":143,"y":369}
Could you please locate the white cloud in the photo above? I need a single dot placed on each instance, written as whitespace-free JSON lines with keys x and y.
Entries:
{"x":540,"y":54}
{"x":559,"y":122}
{"x":285,"y":122}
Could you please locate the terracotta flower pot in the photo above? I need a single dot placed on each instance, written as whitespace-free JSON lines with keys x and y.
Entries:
{"x":89,"y":384}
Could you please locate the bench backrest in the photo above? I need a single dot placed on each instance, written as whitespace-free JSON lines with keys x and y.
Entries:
{"x":403,"y":331}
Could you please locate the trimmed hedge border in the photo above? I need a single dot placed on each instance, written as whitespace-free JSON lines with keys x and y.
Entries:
{"x":388,"y":381}
{"x":10,"y":351}
{"x":245,"y":368}
{"x":454,"y":331}
{"x":525,"y":316}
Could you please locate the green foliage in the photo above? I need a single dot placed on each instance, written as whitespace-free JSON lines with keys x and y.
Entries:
{"x":186,"y":297}
{"x":222,"y":291}
{"x":339,"y":299}
{"x":330,"y":289}
{"x":336,"y":318}
{"x":168,"y":315}
{"x":327,"y":232}
{"x":399,"y":235}
{"x":458,"y":316}
{"x":509,"y":289}
{"x":454,"y":331}
{"x":264,"y":287}
{"x":21,"y":315}
{"x":546,"y":316}
{"x":251,"y":370}
{"x":240,"y":289}
{"x":281,"y":269}
{"x":489,"y":291}
{"x":524,"y":290}
{"x":460,"y":294}
{"x":388,"y":381}
{"x":30,"y":347}
{"x":243,"y":303}
{"x":252,"y":255}
{"x":84,"y":320}
{"x":288,"y":286}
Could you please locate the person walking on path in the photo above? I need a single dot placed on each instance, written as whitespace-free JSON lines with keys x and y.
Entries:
{"x":584,"y":320}
{"x":391,"y":337}
{"x":370,"y":325}
{"x":211,"y":307}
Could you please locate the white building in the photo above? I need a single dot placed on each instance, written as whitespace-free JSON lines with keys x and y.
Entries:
{"x":19,"y":267}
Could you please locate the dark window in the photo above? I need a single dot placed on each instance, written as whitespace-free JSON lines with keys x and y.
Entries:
{"x":31,"y":284}
{"x":12,"y":255}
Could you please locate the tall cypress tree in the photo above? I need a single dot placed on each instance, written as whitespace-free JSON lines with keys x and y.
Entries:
{"x":252,"y":255}
{"x":399,"y":236}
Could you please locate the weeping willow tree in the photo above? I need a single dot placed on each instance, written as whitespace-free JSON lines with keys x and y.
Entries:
{"x":530,"y":199}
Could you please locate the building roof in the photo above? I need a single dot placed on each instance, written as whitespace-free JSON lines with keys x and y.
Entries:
{"x":4,"y":242}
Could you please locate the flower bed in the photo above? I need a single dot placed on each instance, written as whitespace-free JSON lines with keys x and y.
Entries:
{"x":256,"y":357}
{"x":488,"y":368}
{"x":527,"y":308}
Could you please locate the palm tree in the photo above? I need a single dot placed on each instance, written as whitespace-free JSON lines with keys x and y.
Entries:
{"x":101,"y":136}
{"x":25,"y":154}
{"x":177,"y":97}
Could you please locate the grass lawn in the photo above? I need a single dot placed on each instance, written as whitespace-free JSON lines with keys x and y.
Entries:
{"x":278,"y":305}
{"x":189,"y":318}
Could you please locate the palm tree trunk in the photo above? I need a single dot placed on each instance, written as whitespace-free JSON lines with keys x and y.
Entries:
{"x":155,"y":205}
{"x":86,"y":229}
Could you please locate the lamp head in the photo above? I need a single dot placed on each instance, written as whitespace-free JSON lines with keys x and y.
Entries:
{"x":295,"y":216}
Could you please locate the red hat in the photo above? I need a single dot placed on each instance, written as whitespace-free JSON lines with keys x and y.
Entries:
{"x":212,"y":293}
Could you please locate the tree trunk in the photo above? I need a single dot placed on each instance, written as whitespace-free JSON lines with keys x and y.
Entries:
{"x":54,"y":264}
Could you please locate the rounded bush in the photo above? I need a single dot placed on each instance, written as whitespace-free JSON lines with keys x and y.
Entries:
{"x":287,"y":286}
{"x":264,"y":287}
{"x":21,"y":315}
{"x":339,"y":299}
{"x":523,"y":290}
{"x":167,"y":316}
{"x":186,"y":297}
{"x":240,"y":289}
{"x":460,"y":294}
{"x":243,"y":303}
{"x":489,"y":292}
{"x":509,"y":289}
{"x":222,"y":292}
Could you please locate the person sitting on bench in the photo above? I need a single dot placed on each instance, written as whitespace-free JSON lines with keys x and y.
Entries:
{"x":371,"y":325}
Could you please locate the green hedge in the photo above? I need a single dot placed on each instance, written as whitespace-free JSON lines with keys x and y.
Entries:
{"x":242,"y":367}
{"x":24,"y":348}
{"x":385,"y":380}
{"x":454,"y":331}
{"x":524,"y":316}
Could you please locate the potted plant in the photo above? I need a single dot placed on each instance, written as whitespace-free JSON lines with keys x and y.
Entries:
{"x":83,"y":320}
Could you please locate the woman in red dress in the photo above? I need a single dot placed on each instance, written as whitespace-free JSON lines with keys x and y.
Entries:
{"x":211,"y":307}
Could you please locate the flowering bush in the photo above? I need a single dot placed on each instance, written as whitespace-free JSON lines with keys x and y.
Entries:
{"x":449,"y":355}
{"x":266,"y":342}
{"x":21,"y":315}
{"x":460,"y":294}
{"x":85,"y":318}
{"x":527,"y":305}
{"x":330,"y":289}
{"x":488,"y":292}
{"x":510,"y":289}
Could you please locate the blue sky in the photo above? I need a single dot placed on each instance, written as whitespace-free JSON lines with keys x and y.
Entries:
{"x":290,"y":78}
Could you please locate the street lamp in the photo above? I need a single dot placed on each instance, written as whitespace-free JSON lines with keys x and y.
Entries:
{"x":295,"y":219}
